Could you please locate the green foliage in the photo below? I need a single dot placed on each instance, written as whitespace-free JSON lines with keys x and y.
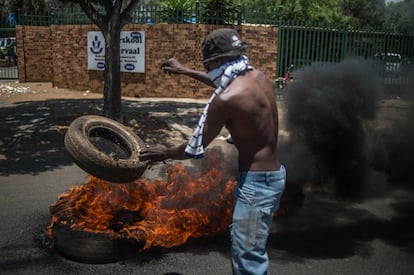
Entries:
{"x":178,"y":5}
{"x":269,"y":5}
{"x":218,"y":12}
{"x":373,"y":14}
{"x":176,"y":11}
{"x":292,"y":10}
{"x":33,"y":6}
{"x":260,"y":11}
{"x":25,"y":7}
{"x":324,"y":11}
{"x":400,"y":17}
{"x":310,"y":11}
{"x":319,"y":12}
{"x":364,"y":13}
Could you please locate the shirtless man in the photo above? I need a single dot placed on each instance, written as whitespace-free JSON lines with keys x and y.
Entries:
{"x":245,"y":104}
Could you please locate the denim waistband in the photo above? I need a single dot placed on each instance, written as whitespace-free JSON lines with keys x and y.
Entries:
{"x":262,"y":175}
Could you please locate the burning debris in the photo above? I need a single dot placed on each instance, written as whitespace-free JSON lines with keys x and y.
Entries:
{"x":100,"y":221}
{"x":187,"y":204}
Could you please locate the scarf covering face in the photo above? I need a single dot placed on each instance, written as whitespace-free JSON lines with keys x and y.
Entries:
{"x":216,"y":74}
{"x":234,"y":68}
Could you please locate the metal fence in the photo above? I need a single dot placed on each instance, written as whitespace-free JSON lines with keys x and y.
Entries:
{"x":8,"y":72}
{"x":8,"y":57}
{"x":391,"y":54}
{"x":155,"y":14}
{"x":299,"y":44}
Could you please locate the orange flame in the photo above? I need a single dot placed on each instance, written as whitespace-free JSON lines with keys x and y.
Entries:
{"x":161,"y":212}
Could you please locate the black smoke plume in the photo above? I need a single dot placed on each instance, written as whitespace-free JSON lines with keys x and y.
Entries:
{"x":393,"y":145}
{"x":326,"y":109}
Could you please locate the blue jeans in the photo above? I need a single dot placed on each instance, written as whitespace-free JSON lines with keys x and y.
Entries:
{"x":256,"y":199}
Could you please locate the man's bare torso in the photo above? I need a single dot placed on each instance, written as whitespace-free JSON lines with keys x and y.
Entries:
{"x":249,"y":111}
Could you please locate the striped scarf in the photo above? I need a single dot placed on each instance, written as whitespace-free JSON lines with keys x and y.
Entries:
{"x":234,"y":68}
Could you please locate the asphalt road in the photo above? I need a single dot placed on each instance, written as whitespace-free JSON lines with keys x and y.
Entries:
{"x":325,"y":236}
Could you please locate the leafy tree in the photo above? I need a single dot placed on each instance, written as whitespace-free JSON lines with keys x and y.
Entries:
{"x":17,"y":7}
{"x":292,"y":10}
{"x":260,"y":9}
{"x":110,"y":17}
{"x":314,"y":11}
{"x":323,"y":11}
{"x":400,"y":16}
{"x":364,"y":13}
{"x":309,"y":11}
{"x":25,"y":6}
{"x":176,"y":11}
{"x":218,"y":11}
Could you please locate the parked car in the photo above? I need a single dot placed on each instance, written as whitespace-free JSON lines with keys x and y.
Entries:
{"x":391,"y":62}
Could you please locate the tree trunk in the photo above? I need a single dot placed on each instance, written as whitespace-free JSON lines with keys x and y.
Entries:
{"x":110,"y":25}
{"x":112,"y":87}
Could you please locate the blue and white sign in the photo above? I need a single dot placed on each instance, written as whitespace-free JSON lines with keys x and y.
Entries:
{"x":132,"y":51}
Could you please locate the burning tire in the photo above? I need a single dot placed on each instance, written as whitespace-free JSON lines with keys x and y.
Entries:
{"x":105,"y":148}
{"x":92,"y":248}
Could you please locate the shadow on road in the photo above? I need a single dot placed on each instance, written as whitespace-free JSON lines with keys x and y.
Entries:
{"x":32,"y":133}
{"x":326,"y":228}
{"x":317,"y":231}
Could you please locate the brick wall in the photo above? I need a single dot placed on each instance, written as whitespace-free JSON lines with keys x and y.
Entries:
{"x":35,"y":54}
{"x":58,"y":54}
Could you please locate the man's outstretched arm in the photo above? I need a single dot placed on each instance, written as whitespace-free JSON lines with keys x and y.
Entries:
{"x":172,"y":66}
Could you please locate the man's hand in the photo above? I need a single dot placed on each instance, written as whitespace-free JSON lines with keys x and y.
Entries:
{"x":154,"y":153}
{"x":172,"y":66}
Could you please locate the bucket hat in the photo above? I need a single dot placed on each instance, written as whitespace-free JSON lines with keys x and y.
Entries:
{"x":222,"y":42}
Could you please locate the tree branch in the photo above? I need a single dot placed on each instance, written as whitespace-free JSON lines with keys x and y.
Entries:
{"x":92,"y":13}
{"x":126,"y":13}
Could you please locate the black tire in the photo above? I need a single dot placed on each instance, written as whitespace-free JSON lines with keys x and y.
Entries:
{"x":105,"y":148}
{"x":92,"y":248}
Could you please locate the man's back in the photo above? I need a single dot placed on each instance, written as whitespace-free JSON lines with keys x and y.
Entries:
{"x":250,"y":112}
